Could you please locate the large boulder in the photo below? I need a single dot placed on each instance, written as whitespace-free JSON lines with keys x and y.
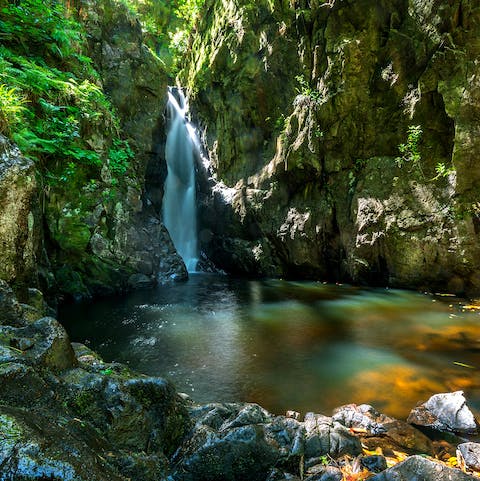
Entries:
{"x":32,"y":448}
{"x":445,"y":412}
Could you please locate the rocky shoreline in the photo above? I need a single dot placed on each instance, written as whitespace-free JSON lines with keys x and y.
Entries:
{"x":65,"y":414}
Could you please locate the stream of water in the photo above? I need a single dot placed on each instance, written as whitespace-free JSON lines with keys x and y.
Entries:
{"x":179,"y":200}
{"x":289,"y":345}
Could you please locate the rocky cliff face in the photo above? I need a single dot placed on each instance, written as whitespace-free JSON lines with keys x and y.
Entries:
{"x":342,"y":138}
{"x":20,"y":218}
{"x":95,"y":228}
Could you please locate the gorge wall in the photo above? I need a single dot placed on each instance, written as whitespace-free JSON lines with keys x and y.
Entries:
{"x":81,"y":197}
{"x":342,"y":138}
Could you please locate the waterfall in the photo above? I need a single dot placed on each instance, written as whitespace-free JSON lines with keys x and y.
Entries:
{"x":179,"y":200}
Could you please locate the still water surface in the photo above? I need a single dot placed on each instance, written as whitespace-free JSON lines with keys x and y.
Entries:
{"x":289,"y":345}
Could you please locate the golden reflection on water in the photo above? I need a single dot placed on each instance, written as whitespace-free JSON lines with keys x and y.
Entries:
{"x":292,"y":345}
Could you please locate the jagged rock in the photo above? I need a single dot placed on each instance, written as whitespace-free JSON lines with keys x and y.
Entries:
{"x":445,"y":412}
{"x":239,"y":442}
{"x":379,"y":426}
{"x":326,"y":436}
{"x":420,"y":468}
{"x":11,"y":312}
{"x":469,"y":454}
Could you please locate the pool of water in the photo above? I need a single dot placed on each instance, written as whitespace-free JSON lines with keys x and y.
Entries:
{"x":303,"y":346}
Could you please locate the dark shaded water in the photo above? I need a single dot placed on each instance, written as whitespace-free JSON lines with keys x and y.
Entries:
{"x":289,"y":345}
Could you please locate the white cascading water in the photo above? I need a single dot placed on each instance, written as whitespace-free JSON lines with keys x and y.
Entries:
{"x":179,"y":203}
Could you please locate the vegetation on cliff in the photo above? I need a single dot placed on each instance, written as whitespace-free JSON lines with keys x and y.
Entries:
{"x":59,"y":106}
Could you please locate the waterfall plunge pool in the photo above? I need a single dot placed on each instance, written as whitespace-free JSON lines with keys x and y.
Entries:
{"x":303,"y":346}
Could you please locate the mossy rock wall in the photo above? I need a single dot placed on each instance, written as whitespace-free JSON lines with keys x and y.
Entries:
{"x":303,"y":106}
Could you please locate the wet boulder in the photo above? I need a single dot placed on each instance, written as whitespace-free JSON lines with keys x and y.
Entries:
{"x":324,"y":473}
{"x":374,"y":463}
{"x":34,"y":447}
{"x":378,"y":429}
{"x":135,"y":413}
{"x":44,"y":342}
{"x":235,"y":441}
{"x":445,"y":412}
{"x":22,"y":385}
{"x":52,"y":346}
{"x":239,"y":454}
{"x":421,"y":468}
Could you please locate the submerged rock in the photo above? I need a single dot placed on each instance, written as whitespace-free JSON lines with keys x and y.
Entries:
{"x":445,"y":412}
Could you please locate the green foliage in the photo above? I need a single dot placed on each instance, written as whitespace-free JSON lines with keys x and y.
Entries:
{"x":51,"y":102}
{"x":167,"y":25}
{"x":119,"y":157}
{"x":443,"y":171}
{"x":410,"y":151}
{"x":48,"y":27}
{"x":306,"y":90}
{"x":12,"y":109}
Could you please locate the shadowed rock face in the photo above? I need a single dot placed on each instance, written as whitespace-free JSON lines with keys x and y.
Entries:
{"x":303,"y":107}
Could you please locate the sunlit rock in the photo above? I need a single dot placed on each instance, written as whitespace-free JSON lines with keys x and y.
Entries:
{"x":419,"y":467}
{"x":445,"y":412}
{"x":469,"y":455}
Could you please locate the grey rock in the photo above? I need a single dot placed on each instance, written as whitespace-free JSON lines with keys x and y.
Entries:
{"x":240,"y":442}
{"x":52,"y":346}
{"x":397,"y":434}
{"x":32,"y":447}
{"x":241,"y":453}
{"x":418,"y":468}
{"x":326,"y":436}
{"x":43,"y":342}
{"x":326,"y":473}
{"x":445,"y":412}
{"x":139,"y":414}
{"x":469,"y":453}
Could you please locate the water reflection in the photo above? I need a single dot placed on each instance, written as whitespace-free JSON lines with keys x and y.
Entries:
{"x":289,"y":345}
